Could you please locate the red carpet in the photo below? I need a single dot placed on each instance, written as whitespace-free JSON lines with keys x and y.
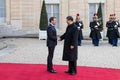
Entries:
{"x":38,"y":72}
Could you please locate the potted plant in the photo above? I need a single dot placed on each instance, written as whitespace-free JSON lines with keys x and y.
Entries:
{"x":43,"y":22}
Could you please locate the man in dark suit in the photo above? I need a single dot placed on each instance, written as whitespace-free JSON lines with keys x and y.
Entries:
{"x":51,"y":43}
{"x":70,"y":51}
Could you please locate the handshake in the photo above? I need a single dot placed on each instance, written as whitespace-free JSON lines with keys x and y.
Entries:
{"x":59,"y":39}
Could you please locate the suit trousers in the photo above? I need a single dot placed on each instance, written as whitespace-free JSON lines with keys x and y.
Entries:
{"x":50,"y":57}
{"x":72,"y":66}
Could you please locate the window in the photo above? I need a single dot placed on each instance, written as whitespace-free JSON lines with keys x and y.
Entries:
{"x":52,"y":2}
{"x":93,"y":8}
{"x":2,"y":10}
{"x":53,"y":10}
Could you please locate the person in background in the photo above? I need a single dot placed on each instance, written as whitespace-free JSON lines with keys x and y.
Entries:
{"x":51,"y":43}
{"x":109,"y":25}
{"x":79,"y":24}
{"x":70,"y":52}
{"x":95,"y":32}
{"x":116,"y":30}
{"x":112,"y":30}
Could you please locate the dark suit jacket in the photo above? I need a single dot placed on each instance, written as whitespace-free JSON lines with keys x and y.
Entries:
{"x":51,"y":36}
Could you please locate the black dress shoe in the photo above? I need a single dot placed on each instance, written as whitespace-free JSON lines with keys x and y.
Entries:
{"x":67,"y":71}
{"x":73,"y":73}
{"x":79,"y":44}
{"x":114,"y":45}
{"x":52,"y":71}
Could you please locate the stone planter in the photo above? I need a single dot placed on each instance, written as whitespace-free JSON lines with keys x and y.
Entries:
{"x":42,"y":34}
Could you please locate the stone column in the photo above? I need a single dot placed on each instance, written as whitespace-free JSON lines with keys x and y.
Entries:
{"x":8,"y":11}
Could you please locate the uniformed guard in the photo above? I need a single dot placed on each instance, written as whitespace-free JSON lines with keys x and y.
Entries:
{"x":112,"y":30}
{"x":110,"y":27}
{"x":79,"y":24}
{"x":116,"y":30}
{"x":95,"y":32}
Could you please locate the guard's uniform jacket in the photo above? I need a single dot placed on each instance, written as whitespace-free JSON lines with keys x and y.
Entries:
{"x":116,"y":30}
{"x":95,"y":32}
{"x":80,"y":27}
{"x":112,"y":29}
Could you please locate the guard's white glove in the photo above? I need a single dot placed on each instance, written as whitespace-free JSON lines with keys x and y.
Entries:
{"x":80,"y":24}
{"x":117,"y":23}
{"x":98,"y":23}
{"x":96,"y":26}
{"x":115,"y":26}
{"x":79,"y":28}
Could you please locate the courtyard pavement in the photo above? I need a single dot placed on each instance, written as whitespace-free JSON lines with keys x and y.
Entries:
{"x":2,"y":45}
{"x":34,"y":51}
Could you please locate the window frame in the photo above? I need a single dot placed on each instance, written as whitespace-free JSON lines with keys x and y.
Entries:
{"x":52,"y":13}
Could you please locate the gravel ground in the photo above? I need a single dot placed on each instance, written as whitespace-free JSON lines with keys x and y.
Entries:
{"x":34,"y":51}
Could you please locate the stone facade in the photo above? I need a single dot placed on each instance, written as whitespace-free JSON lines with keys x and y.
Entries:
{"x":25,"y":14}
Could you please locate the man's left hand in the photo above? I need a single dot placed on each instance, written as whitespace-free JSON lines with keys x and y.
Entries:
{"x":71,"y":47}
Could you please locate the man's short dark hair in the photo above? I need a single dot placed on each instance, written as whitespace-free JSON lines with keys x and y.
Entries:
{"x":51,"y":19}
{"x":70,"y":18}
